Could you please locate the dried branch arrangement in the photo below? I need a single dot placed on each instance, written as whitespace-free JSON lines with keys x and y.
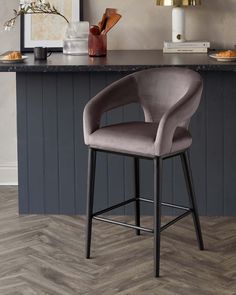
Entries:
{"x":33,"y":7}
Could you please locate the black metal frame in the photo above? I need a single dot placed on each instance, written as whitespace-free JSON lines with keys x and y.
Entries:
{"x":158,"y":228}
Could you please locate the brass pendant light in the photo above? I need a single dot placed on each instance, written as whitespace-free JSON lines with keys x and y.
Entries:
{"x":178,"y":2}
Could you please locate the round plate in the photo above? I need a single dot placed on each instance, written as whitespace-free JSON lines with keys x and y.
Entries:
{"x":222,"y":58}
{"x":10,"y":61}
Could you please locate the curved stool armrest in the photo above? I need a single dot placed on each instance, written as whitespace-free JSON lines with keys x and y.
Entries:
{"x":175,"y":116}
{"x":119,"y":93}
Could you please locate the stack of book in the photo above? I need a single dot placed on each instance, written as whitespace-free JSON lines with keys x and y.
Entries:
{"x":186,"y":47}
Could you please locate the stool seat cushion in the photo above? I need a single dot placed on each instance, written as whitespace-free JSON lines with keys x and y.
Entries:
{"x":136,"y":138}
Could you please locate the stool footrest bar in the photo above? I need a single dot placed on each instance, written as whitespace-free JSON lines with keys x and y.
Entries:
{"x":145,"y":200}
{"x":123,"y":224}
{"x":166,"y":204}
{"x":165,"y":226}
{"x":176,"y":206}
{"x":142,"y":200}
{"x":114,"y":207}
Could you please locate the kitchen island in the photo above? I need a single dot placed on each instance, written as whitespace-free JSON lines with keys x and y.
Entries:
{"x":52,"y":157}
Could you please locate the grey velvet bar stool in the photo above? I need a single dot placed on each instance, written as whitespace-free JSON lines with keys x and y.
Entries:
{"x":169,"y":97}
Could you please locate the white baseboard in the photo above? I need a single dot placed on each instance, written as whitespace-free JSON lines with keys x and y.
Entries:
{"x":8,"y":174}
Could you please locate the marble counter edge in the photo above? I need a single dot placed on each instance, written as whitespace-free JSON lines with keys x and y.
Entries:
{"x":119,"y":61}
{"x":125,"y":68}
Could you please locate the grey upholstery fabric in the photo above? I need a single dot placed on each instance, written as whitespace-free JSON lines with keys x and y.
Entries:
{"x":136,"y":138}
{"x":168,"y":96}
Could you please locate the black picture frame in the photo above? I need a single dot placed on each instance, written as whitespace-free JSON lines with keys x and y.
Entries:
{"x":25,"y":49}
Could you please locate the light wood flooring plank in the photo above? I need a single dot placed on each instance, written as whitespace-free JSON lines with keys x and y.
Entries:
{"x":45,"y":255}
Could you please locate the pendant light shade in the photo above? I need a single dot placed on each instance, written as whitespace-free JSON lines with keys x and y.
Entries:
{"x":178,"y":2}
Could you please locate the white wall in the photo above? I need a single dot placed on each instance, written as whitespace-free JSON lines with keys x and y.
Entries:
{"x":143,"y":26}
{"x":8,"y":158}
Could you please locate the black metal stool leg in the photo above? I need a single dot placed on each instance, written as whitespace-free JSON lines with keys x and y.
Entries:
{"x":189,"y":183}
{"x":90,"y":197}
{"x":157,"y":214}
{"x":137,"y":194}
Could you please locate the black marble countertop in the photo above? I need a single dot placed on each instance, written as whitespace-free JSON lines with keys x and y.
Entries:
{"x":119,"y":60}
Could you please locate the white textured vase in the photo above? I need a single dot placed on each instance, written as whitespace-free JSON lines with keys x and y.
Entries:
{"x":178,"y":24}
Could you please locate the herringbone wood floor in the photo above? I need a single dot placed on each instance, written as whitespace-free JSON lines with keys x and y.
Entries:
{"x":45,"y":255}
